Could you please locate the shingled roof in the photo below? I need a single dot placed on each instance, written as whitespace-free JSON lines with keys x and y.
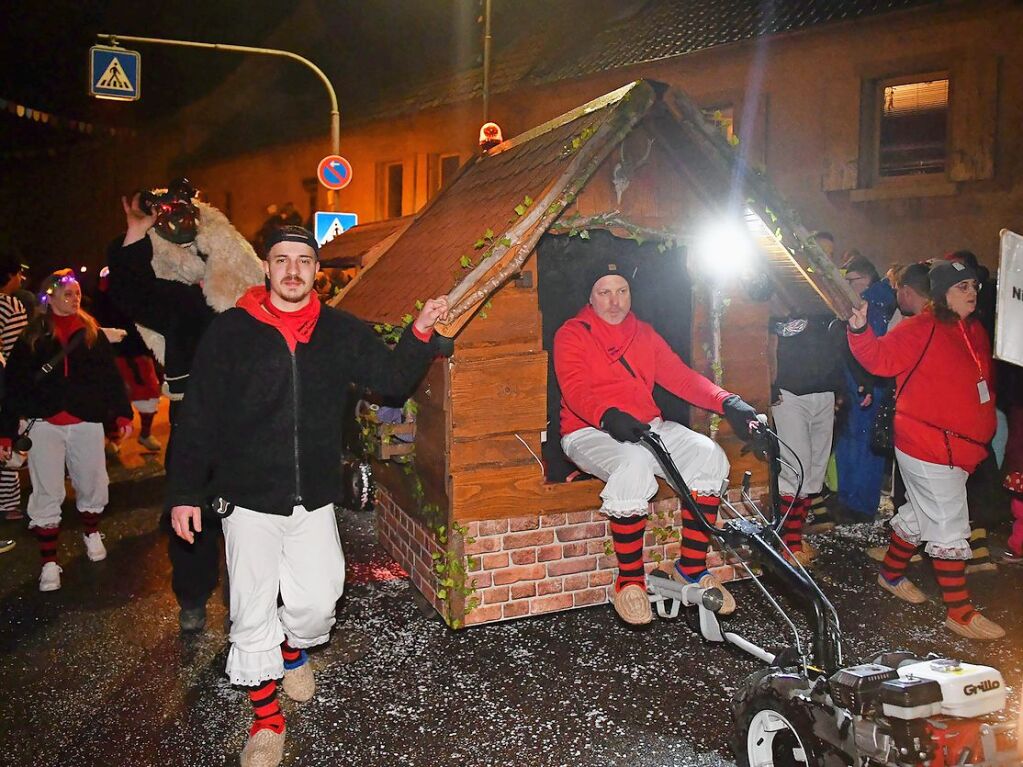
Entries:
{"x":655,"y":30}
{"x":354,"y":246}
{"x":666,"y":28}
{"x":480,"y":229}
{"x":590,"y":40}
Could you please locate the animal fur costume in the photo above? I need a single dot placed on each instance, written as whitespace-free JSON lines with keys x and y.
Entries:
{"x":230,"y":267}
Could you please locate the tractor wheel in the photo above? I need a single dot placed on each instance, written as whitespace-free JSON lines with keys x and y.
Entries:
{"x":774,"y":733}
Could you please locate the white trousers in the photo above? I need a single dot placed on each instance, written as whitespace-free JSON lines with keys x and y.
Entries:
{"x":935,"y":512}
{"x":806,"y":423}
{"x":80,"y":448}
{"x":630,"y":470}
{"x":298,"y":556}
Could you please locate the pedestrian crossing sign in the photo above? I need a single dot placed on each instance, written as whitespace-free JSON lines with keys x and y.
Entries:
{"x":329,"y":225}
{"x":114,"y":73}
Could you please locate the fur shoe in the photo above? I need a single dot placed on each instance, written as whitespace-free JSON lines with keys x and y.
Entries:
{"x":264,"y":749}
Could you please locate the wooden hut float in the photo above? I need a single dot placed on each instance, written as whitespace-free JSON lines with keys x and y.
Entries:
{"x":485,"y":528}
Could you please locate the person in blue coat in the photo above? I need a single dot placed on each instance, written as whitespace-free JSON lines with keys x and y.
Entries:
{"x":860,"y":469}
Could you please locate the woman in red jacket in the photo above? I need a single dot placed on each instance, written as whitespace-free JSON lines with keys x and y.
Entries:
{"x":944,"y":418}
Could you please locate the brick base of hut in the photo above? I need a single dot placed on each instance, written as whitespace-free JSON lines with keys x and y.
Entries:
{"x":530,"y":565}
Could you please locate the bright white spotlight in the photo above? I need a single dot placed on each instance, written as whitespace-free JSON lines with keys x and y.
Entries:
{"x":724,"y":249}
{"x":84,"y":269}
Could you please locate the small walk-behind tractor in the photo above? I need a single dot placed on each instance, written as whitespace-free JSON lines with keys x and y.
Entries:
{"x":807,"y":706}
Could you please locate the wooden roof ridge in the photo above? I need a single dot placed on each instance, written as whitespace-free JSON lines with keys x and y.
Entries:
{"x":550,"y":164}
{"x":777,"y":227}
{"x":518,"y":240}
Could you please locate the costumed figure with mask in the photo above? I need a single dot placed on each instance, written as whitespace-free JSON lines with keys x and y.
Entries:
{"x":180,"y":263}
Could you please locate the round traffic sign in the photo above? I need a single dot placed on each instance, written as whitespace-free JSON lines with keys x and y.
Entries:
{"x":334,"y":172}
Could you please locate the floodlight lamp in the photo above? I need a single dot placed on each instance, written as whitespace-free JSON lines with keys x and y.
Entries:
{"x":724,"y":249}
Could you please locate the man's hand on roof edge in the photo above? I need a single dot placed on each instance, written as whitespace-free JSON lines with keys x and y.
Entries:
{"x":433,"y":311}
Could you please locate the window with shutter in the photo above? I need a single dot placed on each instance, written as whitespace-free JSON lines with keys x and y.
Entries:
{"x":912,"y":135}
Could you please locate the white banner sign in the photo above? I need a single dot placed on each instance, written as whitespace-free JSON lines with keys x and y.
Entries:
{"x":1009,"y":317}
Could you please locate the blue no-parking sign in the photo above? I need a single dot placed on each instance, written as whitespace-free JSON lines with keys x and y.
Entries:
{"x":334,"y":172}
{"x":114,"y":73}
{"x":329,"y":225}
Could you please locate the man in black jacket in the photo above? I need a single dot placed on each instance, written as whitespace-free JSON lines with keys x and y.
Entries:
{"x":260,"y":431}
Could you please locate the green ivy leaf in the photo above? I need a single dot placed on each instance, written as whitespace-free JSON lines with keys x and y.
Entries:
{"x":465,"y":262}
{"x":406,"y":319}
{"x":489,"y":234}
{"x":442,"y":594}
{"x":505,"y":242}
{"x":528,"y":200}
{"x":419,"y":305}
{"x":520,"y":209}
{"x":584,"y":234}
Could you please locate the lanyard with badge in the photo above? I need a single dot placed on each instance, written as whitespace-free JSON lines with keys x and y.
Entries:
{"x":982,"y":389}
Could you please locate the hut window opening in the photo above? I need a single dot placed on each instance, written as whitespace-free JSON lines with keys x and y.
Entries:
{"x":661,"y":295}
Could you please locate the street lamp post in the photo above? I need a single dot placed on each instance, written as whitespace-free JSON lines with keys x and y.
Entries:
{"x":335,"y":114}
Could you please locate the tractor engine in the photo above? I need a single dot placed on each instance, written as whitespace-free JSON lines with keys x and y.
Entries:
{"x":923,"y":711}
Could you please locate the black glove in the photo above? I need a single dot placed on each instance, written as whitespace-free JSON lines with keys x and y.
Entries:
{"x":740,"y":416}
{"x":622,"y":426}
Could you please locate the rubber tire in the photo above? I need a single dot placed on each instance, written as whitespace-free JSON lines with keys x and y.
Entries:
{"x":801,"y":731}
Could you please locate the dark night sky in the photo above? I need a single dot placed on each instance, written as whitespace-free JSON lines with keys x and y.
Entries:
{"x":363,"y":46}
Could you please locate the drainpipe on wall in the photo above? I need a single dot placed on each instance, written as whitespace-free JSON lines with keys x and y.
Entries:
{"x":486,"y":62}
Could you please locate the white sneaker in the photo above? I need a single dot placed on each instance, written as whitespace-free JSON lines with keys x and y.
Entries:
{"x":49,"y":579}
{"x":94,"y":548}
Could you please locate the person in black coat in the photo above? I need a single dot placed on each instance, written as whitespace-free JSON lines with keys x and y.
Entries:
{"x":62,"y":379}
{"x":261,"y":432}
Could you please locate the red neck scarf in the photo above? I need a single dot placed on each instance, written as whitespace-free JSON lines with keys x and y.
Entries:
{"x":296,"y":327}
{"x":613,"y":339}
{"x":65,"y":326}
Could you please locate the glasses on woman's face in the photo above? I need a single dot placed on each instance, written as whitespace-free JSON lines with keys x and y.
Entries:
{"x":967,"y":286}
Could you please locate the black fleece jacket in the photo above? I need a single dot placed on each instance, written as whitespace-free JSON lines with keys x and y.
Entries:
{"x":88,"y":386}
{"x":176,"y":311}
{"x":262,"y":427}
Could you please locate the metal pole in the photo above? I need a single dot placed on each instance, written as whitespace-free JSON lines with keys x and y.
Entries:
{"x":335,"y":114}
{"x":486,"y":63}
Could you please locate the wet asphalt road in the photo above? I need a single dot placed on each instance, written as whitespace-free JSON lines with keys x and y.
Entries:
{"x":97,"y":673}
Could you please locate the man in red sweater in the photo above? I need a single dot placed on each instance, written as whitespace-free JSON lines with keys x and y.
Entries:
{"x":607,"y":362}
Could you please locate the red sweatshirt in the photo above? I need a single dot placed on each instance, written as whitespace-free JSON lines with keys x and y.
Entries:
{"x":587,"y":361}
{"x":939,"y":416}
